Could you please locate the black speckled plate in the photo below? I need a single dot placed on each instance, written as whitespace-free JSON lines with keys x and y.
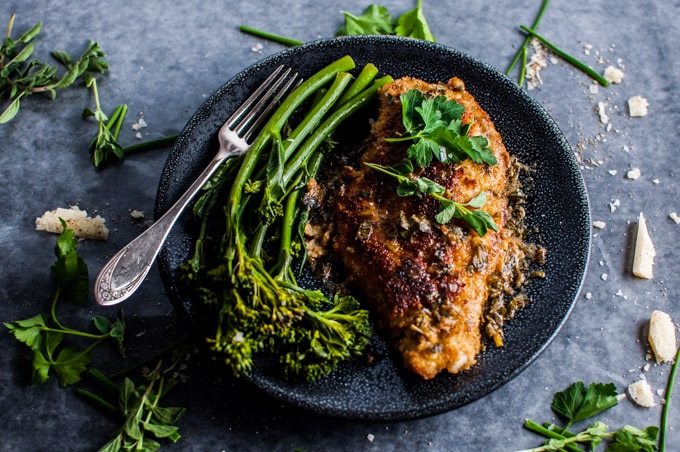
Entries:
{"x":557,"y":207}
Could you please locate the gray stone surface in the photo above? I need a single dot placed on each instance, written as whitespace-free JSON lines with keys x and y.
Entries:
{"x":166,"y":57}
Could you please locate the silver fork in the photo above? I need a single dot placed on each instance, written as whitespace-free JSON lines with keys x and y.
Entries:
{"x":126,"y":270}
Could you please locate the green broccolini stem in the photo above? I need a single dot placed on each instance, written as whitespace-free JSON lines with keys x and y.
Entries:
{"x":270,"y":36}
{"x":316,"y":114}
{"x":274,"y":126}
{"x":568,"y":58}
{"x":365,"y":77}
{"x":324,"y":130}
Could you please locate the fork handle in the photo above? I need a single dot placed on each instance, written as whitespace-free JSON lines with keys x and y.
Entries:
{"x":126,"y":270}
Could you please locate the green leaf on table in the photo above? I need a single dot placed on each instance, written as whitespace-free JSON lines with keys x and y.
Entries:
{"x":413,"y":24}
{"x":375,"y":20}
{"x":70,"y":270}
{"x":577,"y":403}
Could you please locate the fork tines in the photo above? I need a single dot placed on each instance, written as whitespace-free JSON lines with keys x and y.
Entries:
{"x":260,"y":103}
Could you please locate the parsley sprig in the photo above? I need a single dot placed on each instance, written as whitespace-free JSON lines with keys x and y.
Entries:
{"x":578,"y":403}
{"x":410,"y":185}
{"x":376,"y":20}
{"x":45,"y":334}
{"x":435,"y":127}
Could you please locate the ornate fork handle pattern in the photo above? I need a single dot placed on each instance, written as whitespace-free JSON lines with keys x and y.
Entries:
{"x":126,"y":270}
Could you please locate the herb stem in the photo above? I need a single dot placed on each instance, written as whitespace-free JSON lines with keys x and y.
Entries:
{"x":152,"y":144}
{"x":145,"y":361}
{"x":98,"y":400}
{"x":522,"y":51}
{"x":667,"y":404}
{"x":541,"y":430}
{"x":567,"y":57}
{"x":270,"y":36}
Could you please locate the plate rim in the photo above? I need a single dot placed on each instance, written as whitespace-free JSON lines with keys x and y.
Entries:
{"x":418,"y":411}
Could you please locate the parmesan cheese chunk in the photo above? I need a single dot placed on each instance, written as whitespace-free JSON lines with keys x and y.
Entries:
{"x":613,"y":75}
{"x":641,"y":393}
{"x":643,"y":261}
{"x":662,"y":337}
{"x":637,"y":106}
{"x":76,"y":219}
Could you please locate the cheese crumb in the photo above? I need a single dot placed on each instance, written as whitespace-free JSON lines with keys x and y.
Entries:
{"x":674,"y":216}
{"x":643,"y":260}
{"x":612,"y":172}
{"x":140,"y":124}
{"x":637,"y":106}
{"x":370,"y":437}
{"x":136,"y":214}
{"x":614,"y":204}
{"x":601,"y":107}
{"x":634,"y":174}
{"x":662,"y":337}
{"x":613,"y":75}
{"x":641,"y":393}
{"x":599,"y":224}
{"x":76,"y":220}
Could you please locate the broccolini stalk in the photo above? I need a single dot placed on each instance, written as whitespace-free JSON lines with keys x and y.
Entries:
{"x":325,"y":129}
{"x":271,"y":129}
{"x":256,"y":305}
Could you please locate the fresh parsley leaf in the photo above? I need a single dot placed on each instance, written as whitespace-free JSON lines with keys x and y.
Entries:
{"x":70,"y":270}
{"x":414,"y":25}
{"x":410,"y":185}
{"x":631,"y":438}
{"x":375,"y":20}
{"x":44,"y":334}
{"x":434,"y":126}
{"x":577,"y":403}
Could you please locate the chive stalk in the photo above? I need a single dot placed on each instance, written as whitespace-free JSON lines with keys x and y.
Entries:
{"x":270,"y":36}
{"x":522,"y":51}
{"x":567,"y":57}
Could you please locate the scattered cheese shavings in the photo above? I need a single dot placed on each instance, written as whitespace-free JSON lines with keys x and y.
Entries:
{"x":613,"y":75}
{"x":535,"y":64}
{"x":76,"y":220}
{"x":674,"y":216}
{"x":637,"y":106}
{"x":599,"y":224}
{"x":634,"y":174}
{"x":641,"y":393}
{"x":601,"y":107}
{"x":662,"y":337}
{"x":643,"y":260}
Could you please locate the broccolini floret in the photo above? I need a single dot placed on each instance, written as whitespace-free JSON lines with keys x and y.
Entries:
{"x":249,"y":298}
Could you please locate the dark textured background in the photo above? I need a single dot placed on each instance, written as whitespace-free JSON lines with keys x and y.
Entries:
{"x":167,"y":57}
